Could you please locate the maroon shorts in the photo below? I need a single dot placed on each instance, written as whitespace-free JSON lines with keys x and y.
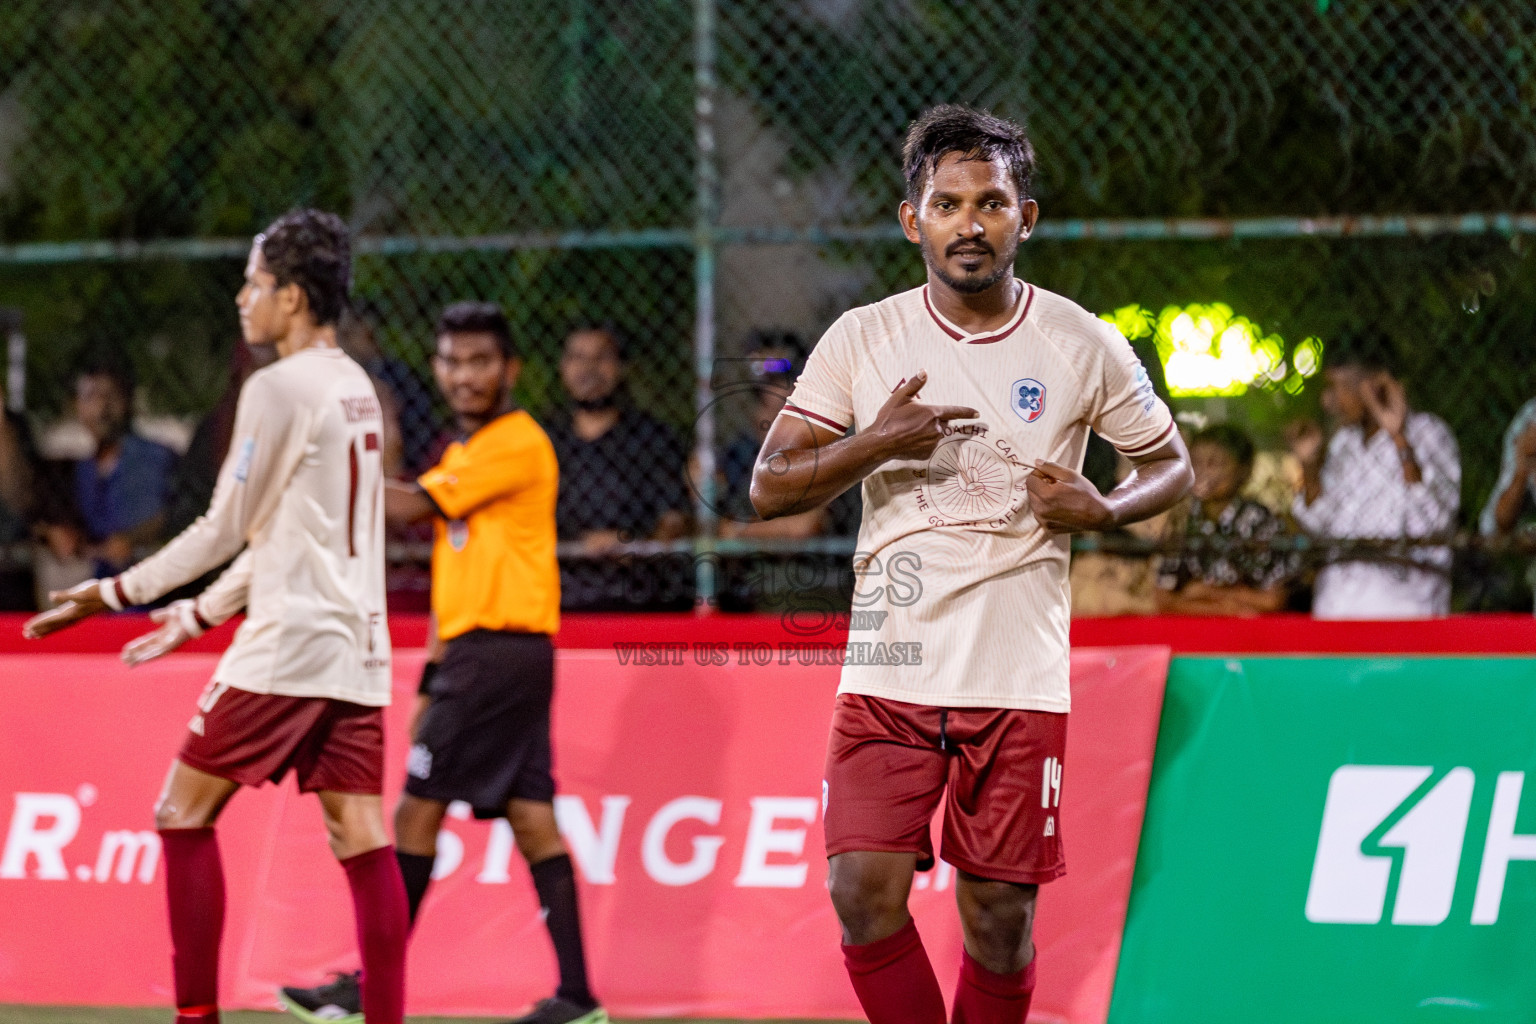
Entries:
{"x":251,"y":738}
{"x":999,"y":770}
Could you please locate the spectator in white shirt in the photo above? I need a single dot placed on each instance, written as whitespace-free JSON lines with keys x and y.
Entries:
{"x":1390,"y":474}
{"x":1510,"y":504}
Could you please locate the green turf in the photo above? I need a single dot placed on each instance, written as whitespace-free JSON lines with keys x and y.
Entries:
{"x":97,"y":1015}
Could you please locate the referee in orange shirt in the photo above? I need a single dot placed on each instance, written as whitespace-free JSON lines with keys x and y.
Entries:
{"x":482,"y":730}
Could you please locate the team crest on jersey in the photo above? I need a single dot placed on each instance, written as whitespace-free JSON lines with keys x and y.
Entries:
{"x":458,"y":534}
{"x":1027,"y":396}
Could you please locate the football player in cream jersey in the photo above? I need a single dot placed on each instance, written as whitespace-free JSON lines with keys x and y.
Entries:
{"x":299,"y":506}
{"x":963,"y":407}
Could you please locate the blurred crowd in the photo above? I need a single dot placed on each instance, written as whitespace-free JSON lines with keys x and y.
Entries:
{"x":1352,"y":518}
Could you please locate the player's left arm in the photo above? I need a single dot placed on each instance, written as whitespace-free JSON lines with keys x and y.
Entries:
{"x":1065,"y":501}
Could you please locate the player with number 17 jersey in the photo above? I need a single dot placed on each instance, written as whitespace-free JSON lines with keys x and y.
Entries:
{"x":299,"y":507}
{"x":302,"y":493}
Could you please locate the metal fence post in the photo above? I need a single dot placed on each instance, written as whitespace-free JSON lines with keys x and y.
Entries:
{"x":706,"y":213}
{"x":16,"y":360}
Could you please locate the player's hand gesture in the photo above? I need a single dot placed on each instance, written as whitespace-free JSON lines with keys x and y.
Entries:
{"x":78,"y":602}
{"x":910,"y":429}
{"x":173,"y":632}
{"x":1065,"y":501}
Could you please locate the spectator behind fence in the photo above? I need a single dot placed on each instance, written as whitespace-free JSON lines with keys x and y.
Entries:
{"x":17,"y":458}
{"x":1118,"y":579}
{"x":1227,"y":566}
{"x":621,"y":479}
{"x":769,"y":583}
{"x":18,"y":461}
{"x":1514,"y":496}
{"x":410,"y":419}
{"x":774,"y":360}
{"x":120,"y":492}
{"x":1390,"y":474}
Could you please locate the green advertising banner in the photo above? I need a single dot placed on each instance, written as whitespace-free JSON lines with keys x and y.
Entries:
{"x":1337,"y":840}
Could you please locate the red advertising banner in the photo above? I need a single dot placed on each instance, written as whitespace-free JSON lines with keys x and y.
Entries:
{"x":691,"y":780}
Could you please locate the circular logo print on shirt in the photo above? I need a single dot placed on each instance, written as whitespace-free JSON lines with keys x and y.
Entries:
{"x":1027,"y":397}
{"x":968,"y":481}
{"x":458,"y":534}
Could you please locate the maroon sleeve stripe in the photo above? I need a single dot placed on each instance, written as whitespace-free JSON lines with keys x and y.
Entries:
{"x":815,"y":416}
{"x":202,"y":623}
{"x":1150,"y":446}
{"x":117,"y":589}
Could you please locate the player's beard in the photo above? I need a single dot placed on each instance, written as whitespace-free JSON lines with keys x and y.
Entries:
{"x":971,"y":284}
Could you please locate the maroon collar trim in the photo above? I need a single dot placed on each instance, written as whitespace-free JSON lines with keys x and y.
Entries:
{"x":989,"y":337}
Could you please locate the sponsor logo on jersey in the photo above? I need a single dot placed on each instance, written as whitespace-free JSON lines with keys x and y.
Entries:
{"x":1027,"y":397}
{"x":243,"y":463}
{"x":1144,"y":390}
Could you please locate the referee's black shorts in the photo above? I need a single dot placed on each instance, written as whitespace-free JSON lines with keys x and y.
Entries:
{"x":484,"y":739}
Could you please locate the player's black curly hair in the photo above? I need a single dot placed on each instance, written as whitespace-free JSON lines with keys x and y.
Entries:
{"x":976,"y":134}
{"x":312,"y":249}
{"x":477,"y":318}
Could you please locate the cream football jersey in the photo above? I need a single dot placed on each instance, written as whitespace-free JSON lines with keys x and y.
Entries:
{"x":964,"y":593}
{"x":301,"y":491}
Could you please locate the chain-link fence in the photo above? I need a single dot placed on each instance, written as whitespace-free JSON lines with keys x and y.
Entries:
{"x":708,"y":185}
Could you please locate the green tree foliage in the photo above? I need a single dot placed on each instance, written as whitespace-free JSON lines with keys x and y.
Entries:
{"x":136,"y":119}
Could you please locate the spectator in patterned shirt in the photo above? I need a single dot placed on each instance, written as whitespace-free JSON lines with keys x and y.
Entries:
{"x":1514,"y":496}
{"x":1227,"y":566}
{"x":1389,"y":476}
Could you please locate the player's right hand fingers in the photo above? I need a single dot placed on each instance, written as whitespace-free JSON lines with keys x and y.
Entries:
{"x":912,"y":385}
{"x":954,"y":412}
{"x":133,"y":651}
{"x":50,"y":621}
{"x":136,"y":654}
{"x":148,"y":647}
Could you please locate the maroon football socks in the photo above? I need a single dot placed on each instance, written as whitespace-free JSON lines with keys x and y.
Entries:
{"x":383,"y":923}
{"x":984,"y":997}
{"x":194,"y":889}
{"x":894,"y":979}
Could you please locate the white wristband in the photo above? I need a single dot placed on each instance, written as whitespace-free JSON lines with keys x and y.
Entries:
{"x":107,"y":588}
{"x":186,"y":616}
